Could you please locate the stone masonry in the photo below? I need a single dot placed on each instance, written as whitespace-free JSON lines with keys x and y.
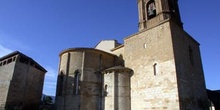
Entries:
{"x":157,"y":68}
{"x":21,"y":82}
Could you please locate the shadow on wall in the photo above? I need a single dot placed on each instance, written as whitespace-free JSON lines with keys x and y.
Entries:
{"x":22,"y":95}
{"x":92,"y":91}
{"x":70,"y":89}
{"x":65,"y":88}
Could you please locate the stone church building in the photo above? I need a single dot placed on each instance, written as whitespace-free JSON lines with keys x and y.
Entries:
{"x":157,"y":68}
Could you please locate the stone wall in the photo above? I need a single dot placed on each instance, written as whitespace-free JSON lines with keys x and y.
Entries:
{"x":84,"y":91}
{"x":168,"y":71}
{"x":26,"y":86}
{"x":191,"y":82}
{"x":5,"y":80}
{"x":150,"y":54}
{"x":117,"y":88}
{"x":33,"y":86}
{"x":21,"y":83}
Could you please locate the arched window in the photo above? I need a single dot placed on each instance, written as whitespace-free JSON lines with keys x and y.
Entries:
{"x":171,"y":7}
{"x":76,"y":82}
{"x":151,"y":9}
{"x":121,"y":60}
{"x":191,"y":55}
{"x":155,"y":69}
{"x":60,"y":83}
{"x":106,"y":90}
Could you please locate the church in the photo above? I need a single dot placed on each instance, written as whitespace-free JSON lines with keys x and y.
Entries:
{"x":157,"y":68}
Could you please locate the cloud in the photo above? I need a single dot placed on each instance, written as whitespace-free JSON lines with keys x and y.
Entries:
{"x":50,"y":82}
{"x":4,"y":51}
{"x":50,"y":77}
{"x":8,"y":43}
{"x":13,"y":42}
{"x":51,"y":74}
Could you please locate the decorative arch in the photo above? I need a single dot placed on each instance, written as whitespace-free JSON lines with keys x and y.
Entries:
{"x":151,"y":9}
{"x":60,"y":83}
{"x":171,"y":7}
{"x":76,"y":82}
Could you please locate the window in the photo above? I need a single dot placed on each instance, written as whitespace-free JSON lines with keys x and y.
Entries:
{"x":60,"y":84}
{"x":106,"y":90}
{"x":76,"y":82}
{"x":100,"y":60}
{"x":145,"y":45}
{"x":24,"y":60}
{"x":4,"y":63}
{"x":155,"y":69}
{"x":151,"y":9}
{"x":171,"y":7}
{"x":14,"y":58}
{"x":191,"y":58}
{"x":9,"y":61}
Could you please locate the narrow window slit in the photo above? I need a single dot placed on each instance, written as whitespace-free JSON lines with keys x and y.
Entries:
{"x":76,"y":82}
{"x":155,"y":69}
{"x":145,"y":45}
{"x":191,"y":55}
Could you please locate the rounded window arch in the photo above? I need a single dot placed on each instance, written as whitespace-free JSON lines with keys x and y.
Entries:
{"x":151,"y":9}
{"x":121,"y":60}
{"x":60,"y":83}
{"x":76,"y":82}
{"x":191,"y":55}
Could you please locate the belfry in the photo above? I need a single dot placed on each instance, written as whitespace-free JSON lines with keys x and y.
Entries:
{"x":154,"y":12}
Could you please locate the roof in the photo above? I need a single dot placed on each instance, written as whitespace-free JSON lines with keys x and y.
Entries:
{"x":13,"y":54}
{"x":118,"y":47}
{"x":84,"y":49}
{"x":108,"y":40}
{"x":117,"y":68}
{"x":21,"y":54}
{"x":218,"y":91}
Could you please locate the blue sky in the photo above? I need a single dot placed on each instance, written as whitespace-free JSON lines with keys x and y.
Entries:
{"x":41,"y":29}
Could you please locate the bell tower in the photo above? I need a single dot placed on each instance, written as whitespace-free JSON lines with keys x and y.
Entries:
{"x":166,"y":61}
{"x":154,"y":12}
